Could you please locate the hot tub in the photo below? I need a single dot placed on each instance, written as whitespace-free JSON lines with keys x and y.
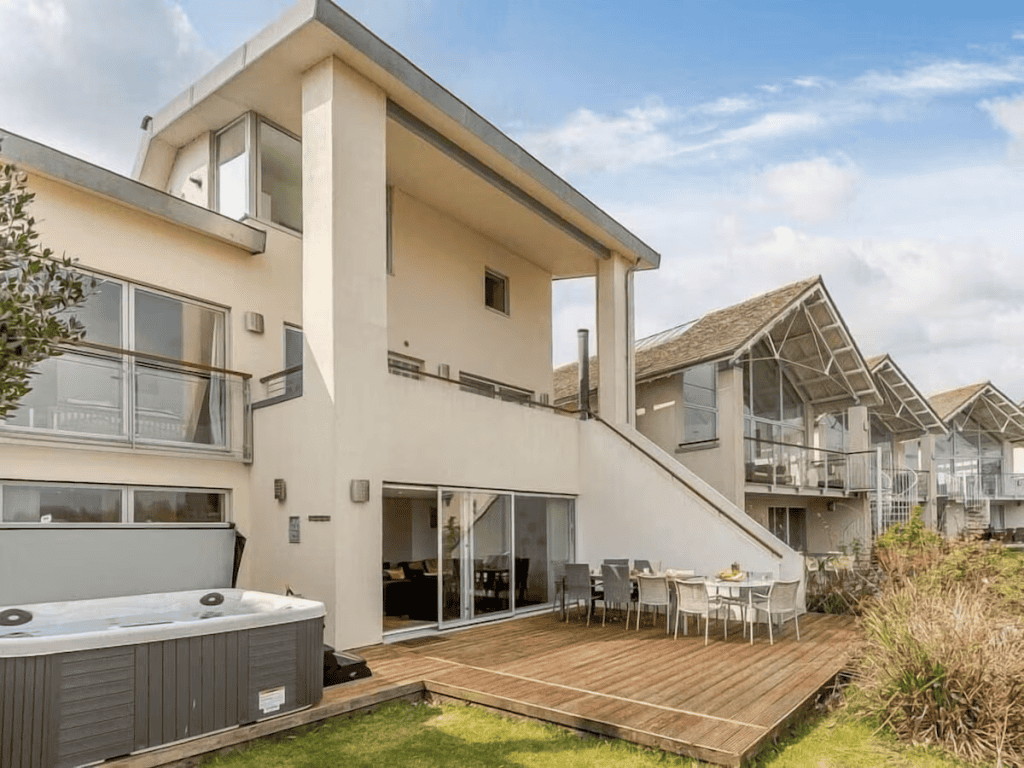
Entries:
{"x":88,"y":680}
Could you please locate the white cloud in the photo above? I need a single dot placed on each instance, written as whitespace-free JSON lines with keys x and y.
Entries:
{"x":943,"y":77}
{"x":588,"y":141}
{"x":1008,"y":114}
{"x":811,"y":191}
{"x":774,"y":125}
{"x":727,"y":105}
{"x":811,"y":82}
{"x":1018,"y":35}
{"x":80,"y":76}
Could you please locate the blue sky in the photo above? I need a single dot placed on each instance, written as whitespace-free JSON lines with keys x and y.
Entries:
{"x":751,"y":143}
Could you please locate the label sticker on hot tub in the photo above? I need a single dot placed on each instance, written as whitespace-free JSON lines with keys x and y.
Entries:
{"x":271,"y":700}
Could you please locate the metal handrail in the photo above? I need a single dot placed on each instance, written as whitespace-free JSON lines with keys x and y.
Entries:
{"x":693,"y":489}
{"x":456,"y":382}
{"x":281,"y":374}
{"x":90,"y":346}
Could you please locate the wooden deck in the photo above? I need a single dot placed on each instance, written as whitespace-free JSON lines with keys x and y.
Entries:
{"x":716,"y":703}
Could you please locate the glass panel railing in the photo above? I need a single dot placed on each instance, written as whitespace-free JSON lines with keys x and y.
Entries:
{"x":75,"y":393}
{"x":83,"y":393}
{"x":778,"y":463}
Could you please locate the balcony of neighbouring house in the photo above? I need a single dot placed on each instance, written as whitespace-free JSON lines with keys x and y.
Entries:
{"x":788,"y":467}
{"x":969,"y":487}
{"x":96,"y":393}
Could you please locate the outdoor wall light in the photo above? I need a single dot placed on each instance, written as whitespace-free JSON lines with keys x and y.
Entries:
{"x":359,"y":491}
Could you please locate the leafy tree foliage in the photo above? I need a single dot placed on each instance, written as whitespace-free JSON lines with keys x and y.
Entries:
{"x":37,"y":290}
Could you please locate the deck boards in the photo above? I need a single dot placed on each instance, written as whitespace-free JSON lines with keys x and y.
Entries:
{"x":715,"y":703}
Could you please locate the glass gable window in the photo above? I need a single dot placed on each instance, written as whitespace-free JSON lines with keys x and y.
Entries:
{"x":259,"y":172}
{"x":52,"y":503}
{"x":100,"y":391}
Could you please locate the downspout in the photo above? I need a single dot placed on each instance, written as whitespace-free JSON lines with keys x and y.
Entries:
{"x":630,"y":347}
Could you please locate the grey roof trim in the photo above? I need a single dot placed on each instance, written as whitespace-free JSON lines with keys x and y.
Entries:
{"x":412,"y":123}
{"x":416,"y":80}
{"x":661,"y":373}
{"x":32,"y":156}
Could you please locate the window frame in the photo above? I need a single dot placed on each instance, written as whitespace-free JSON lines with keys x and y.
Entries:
{"x":129,"y":367}
{"x":127,"y":493}
{"x":253,"y":149}
{"x":687,"y":406}
{"x":493,"y":274}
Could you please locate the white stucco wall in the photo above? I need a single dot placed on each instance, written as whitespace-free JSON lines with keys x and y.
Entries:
{"x":631,"y":507}
{"x":436,"y":309}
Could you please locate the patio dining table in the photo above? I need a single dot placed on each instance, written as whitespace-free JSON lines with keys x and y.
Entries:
{"x":742,"y":599}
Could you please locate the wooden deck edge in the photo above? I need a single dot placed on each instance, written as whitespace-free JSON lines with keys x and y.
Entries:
{"x":590,"y":725}
{"x":186,"y":753}
{"x":789,"y":719}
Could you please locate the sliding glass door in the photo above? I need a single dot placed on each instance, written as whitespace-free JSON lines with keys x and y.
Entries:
{"x":500,"y":551}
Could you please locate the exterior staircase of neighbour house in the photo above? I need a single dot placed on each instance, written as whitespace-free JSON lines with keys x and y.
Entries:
{"x":976,"y":505}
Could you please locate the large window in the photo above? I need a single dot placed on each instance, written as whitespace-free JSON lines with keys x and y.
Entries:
{"x":969,"y":450}
{"x":700,"y":409}
{"x":63,"y":503}
{"x":259,"y":172}
{"x":150,"y":397}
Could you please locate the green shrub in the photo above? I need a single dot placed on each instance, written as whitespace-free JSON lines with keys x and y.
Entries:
{"x":943,"y":661}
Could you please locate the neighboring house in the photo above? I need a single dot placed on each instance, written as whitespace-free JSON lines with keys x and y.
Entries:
{"x":772,"y":403}
{"x":972,"y":466}
{"x":324,"y":318}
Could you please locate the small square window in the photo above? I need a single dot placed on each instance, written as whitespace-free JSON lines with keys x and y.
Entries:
{"x":496,"y":291}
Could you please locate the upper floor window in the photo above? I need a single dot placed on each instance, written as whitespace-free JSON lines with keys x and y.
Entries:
{"x":496,"y":291}
{"x":173,"y":389}
{"x":258,"y":172}
{"x":700,"y":409}
{"x":293,"y":360}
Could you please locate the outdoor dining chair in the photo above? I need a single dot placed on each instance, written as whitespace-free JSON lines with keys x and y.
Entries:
{"x":692,"y":598}
{"x":558,"y":575}
{"x":780,"y":599}
{"x":617,"y":589}
{"x":653,"y":592}
{"x":617,"y":561}
{"x":577,"y":587}
{"x":640,"y":565}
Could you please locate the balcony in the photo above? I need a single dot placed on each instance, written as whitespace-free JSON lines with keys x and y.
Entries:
{"x":95,"y":392}
{"x":804,"y":467}
{"x":973,"y":488}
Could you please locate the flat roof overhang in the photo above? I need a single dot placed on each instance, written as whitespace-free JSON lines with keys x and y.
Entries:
{"x":488,"y":181}
{"x":904,"y":411}
{"x":32,"y":157}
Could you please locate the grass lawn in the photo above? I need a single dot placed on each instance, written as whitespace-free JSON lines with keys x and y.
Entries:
{"x":453,"y":735}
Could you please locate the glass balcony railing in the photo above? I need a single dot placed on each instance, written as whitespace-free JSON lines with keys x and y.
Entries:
{"x":97,"y":392}
{"x":969,"y":487}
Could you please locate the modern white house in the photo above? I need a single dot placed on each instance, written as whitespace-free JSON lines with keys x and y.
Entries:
{"x":772,"y":403}
{"x":323,"y":321}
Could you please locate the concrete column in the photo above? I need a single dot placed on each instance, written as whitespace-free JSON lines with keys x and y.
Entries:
{"x":616,"y":385}
{"x":926,"y":452}
{"x":860,"y":428}
{"x":344,"y":313}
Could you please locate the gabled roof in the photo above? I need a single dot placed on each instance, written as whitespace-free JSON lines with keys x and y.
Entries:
{"x":798,"y":323}
{"x":993,"y":410}
{"x":904,"y":410}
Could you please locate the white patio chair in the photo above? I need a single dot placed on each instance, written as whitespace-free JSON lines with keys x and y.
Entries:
{"x":780,"y":599}
{"x":617,"y":589}
{"x":577,"y":587}
{"x":653,"y":592}
{"x":692,"y":597}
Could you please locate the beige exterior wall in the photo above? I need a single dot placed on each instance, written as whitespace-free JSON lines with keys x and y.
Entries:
{"x":190,"y":177}
{"x":436,"y":309}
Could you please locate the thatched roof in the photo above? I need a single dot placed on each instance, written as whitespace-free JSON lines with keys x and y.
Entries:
{"x":799,"y":320}
{"x":948,"y":403}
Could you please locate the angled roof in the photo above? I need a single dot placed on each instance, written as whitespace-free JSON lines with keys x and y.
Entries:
{"x":797,"y":323}
{"x":262,"y":75}
{"x":906,"y":413}
{"x":38,"y":158}
{"x":984,"y":403}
